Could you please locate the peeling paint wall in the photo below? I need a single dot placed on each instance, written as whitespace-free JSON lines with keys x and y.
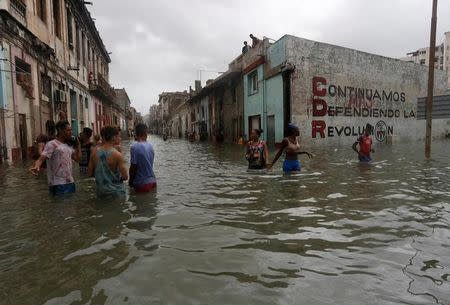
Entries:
{"x":335,"y":91}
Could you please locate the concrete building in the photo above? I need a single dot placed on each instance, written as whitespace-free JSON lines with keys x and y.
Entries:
{"x":53,"y":65}
{"x":167,"y":103}
{"x":331,"y":92}
{"x":122,"y":112}
{"x":442,"y":56}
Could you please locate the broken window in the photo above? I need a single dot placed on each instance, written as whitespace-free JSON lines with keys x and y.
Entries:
{"x":41,"y":7}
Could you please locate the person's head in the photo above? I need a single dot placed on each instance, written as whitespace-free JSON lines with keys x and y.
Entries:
{"x":42,"y":138}
{"x":251,"y":36}
{"x":245,"y":43}
{"x":83,"y":138}
{"x":255,"y":134}
{"x":293,"y":130}
{"x":110,"y":135}
{"x":368,"y":130}
{"x":141,"y":131}
{"x":87,"y":132}
{"x":64,"y":131}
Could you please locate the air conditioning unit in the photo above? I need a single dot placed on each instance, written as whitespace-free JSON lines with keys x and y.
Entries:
{"x":60,"y":96}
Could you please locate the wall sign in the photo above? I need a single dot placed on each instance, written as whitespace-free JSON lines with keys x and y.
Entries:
{"x":331,"y":100}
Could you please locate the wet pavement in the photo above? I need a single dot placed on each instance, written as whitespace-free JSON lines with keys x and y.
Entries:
{"x":338,"y":233}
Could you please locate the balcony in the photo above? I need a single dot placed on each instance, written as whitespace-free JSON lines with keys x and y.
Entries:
{"x":101,"y":88}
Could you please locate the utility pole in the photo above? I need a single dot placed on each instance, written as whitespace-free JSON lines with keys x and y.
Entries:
{"x":431,"y":80}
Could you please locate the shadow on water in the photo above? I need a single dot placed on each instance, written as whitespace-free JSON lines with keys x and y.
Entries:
{"x":339,"y":232}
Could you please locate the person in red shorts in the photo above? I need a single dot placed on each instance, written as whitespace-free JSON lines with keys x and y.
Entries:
{"x":142,"y":178}
{"x":365,"y":145}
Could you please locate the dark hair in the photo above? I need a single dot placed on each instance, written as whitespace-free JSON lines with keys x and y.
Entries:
{"x":291,"y":128}
{"x":87,"y":131}
{"x":141,"y":130}
{"x":61,"y":126}
{"x":108,"y":133}
{"x":258,"y":132}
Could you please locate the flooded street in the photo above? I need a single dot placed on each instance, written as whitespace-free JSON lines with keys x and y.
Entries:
{"x":338,"y":233}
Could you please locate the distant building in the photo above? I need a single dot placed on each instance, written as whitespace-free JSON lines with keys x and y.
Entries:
{"x":441,"y":59}
{"x":122,"y":113}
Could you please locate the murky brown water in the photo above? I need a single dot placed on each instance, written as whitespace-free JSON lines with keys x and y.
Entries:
{"x":339,"y":233}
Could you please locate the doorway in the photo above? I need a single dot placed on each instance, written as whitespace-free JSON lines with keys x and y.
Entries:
{"x":254,"y":122}
{"x":23,"y":136}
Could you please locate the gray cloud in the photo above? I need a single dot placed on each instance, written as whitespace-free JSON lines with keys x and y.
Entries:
{"x":160,"y":45}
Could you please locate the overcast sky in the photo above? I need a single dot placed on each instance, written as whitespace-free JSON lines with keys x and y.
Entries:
{"x":160,"y":45}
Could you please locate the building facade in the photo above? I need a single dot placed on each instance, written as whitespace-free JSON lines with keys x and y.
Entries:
{"x":331,"y":92}
{"x":53,"y":65}
{"x":441,"y":59}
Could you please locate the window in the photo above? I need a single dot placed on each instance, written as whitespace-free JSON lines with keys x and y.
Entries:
{"x":57,"y":18}
{"x":436,"y":59}
{"x":422,"y":61}
{"x":253,"y":83}
{"x":86,"y":103}
{"x":77,"y":41}
{"x":69,"y":30}
{"x":46,"y":85}
{"x":41,"y":8}
{"x":83,"y":49}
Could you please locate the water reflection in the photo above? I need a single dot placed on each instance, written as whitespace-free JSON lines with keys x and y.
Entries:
{"x":338,"y":233}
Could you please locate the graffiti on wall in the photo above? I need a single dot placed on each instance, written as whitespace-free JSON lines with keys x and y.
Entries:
{"x":330,"y":100}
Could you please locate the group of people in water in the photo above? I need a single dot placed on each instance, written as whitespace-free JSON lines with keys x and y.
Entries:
{"x":257,"y":153}
{"x":101,"y":159}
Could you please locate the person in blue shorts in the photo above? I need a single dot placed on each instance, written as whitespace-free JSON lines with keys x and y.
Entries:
{"x":291,"y":147}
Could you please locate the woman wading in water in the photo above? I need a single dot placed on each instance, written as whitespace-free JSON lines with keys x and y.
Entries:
{"x":257,"y":152}
{"x":291,"y":145}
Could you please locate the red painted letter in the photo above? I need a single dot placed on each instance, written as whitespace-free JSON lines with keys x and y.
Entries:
{"x":322,"y":111}
{"x":318,"y":127}
{"x":316,"y":82}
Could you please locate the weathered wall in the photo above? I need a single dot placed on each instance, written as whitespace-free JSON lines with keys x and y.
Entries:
{"x":253,"y":102}
{"x":335,"y":91}
{"x":275,"y":101}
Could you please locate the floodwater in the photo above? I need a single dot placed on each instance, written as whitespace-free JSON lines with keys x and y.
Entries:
{"x":339,"y":233}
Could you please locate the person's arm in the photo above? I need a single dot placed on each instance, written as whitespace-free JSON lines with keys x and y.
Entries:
{"x":266,"y":155}
{"x":306,"y":153}
{"x":40,"y":147}
{"x":37,"y":165}
{"x":247,"y":152}
{"x":122,"y":167}
{"x":280,"y":151}
{"x":132,"y":172}
{"x":355,"y":148}
{"x":76,"y":155}
{"x":91,"y":165}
